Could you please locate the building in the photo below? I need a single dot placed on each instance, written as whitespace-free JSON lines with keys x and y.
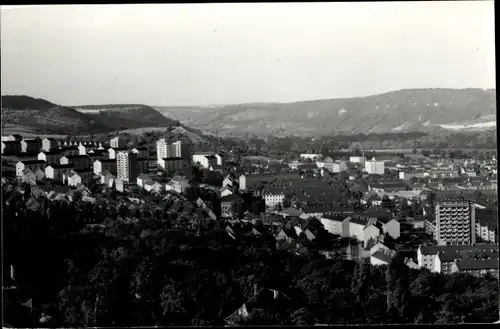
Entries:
{"x":51,"y":157}
{"x":78,"y":161}
{"x":357,"y":159}
{"x":49,"y":144}
{"x":334,"y":224}
{"x":273,"y":197}
{"x":168,"y":164}
{"x":375,"y":167}
{"x":426,"y":255}
{"x":118,"y":143}
{"x":164,"y":149}
{"x":455,"y":222}
{"x":32,"y":165}
{"x":379,"y":258}
{"x":312,"y":156}
{"x":390,"y":226}
{"x":227,"y":204}
{"x":11,"y":147}
{"x":443,"y":262}
{"x":142,"y":178}
{"x":177,"y":184}
{"x":70,"y":150}
{"x":55,"y":171}
{"x":13,"y":138}
{"x":142,"y":152}
{"x":409,"y":174}
{"x":31,"y":145}
{"x":98,"y":155}
{"x":354,"y":228}
{"x":206,"y":159}
{"x":83,"y":149}
{"x":112,"y":152}
{"x":127,"y":168}
{"x":101,"y":166}
{"x":477,"y":267}
{"x":77,"y":176}
{"x":107,"y":179}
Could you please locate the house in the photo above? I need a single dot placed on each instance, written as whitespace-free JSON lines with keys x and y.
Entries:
{"x":51,"y":157}
{"x":33,"y":165}
{"x":49,"y":144}
{"x":418,"y":222}
{"x":101,"y":166}
{"x":382,"y":247}
{"x":334,"y":224}
{"x":443,"y":262}
{"x":371,"y":198}
{"x":84,"y":148}
{"x":79,"y":161}
{"x":142,"y":152}
{"x":274,"y":196}
{"x":426,"y":254}
{"x":354,"y":228}
{"x":371,"y":232}
{"x":143,"y":178}
{"x":150,"y":185}
{"x":77,"y":176}
{"x":380,"y":258}
{"x":177,"y":184}
{"x":11,"y":147}
{"x":28,"y":176}
{"x":227,"y":203}
{"x":107,"y":178}
{"x":390,"y":226}
{"x":312,"y":156}
{"x":476,"y":267}
{"x":170,"y":164}
{"x":207,"y":159}
{"x":31,"y":145}
{"x":13,"y":138}
{"x":120,"y":185}
{"x":56,"y":171}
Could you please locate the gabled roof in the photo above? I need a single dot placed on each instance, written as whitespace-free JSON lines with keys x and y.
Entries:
{"x":479,"y":264}
{"x":382,"y":256}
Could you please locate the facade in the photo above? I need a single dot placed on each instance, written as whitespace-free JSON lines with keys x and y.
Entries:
{"x":357,"y":159}
{"x":355,"y":228}
{"x":455,"y":222}
{"x":126,"y":164}
{"x":32,"y":165}
{"x":164,"y":149}
{"x":118,"y":142}
{"x":142,"y":165}
{"x":31,"y":145}
{"x":390,"y":227}
{"x":170,"y":163}
{"x":272,"y":199}
{"x":51,"y":157}
{"x":337,"y":167}
{"x":49,"y":144}
{"x":334,"y":224}
{"x":55,"y":171}
{"x":370,"y":232}
{"x":312,"y":156}
{"x":426,"y":255}
{"x":242,"y":182}
{"x":28,"y":176}
{"x":11,"y":147}
{"x":206,"y":159}
{"x":77,"y":176}
{"x":70,"y":150}
{"x":443,"y":263}
{"x":101,"y":166}
{"x":487,"y":229}
{"x":477,"y":267}
{"x":177,"y":184}
{"x":409,"y":174}
{"x":375,"y":167}
{"x":78,"y":161}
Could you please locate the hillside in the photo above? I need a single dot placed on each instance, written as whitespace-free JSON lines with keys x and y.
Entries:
{"x":127,"y":116}
{"x":398,"y":111}
{"x":39,"y":116}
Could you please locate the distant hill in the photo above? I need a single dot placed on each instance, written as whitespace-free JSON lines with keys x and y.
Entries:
{"x":42,"y":116}
{"x":423,"y":110}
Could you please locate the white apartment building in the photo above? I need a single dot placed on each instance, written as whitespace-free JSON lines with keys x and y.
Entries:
{"x":273,"y":198}
{"x":375,"y":167}
{"x":166,"y":150}
{"x":126,"y":166}
{"x":49,"y":144}
{"x":455,"y":222}
{"x":32,"y":165}
{"x":207,"y":159}
{"x":357,"y":159}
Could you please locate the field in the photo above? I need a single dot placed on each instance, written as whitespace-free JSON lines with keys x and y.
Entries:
{"x":27,"y":132}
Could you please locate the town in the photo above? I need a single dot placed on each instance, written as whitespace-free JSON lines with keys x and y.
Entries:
{"x":432,"y":212}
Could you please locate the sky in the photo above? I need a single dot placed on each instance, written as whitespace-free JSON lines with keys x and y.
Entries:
{"x":203,"y":54}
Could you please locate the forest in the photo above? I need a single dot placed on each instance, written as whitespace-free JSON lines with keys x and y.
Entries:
{"x":83,"y":264}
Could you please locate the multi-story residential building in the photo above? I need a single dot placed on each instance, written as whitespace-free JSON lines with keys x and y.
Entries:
{"x":273,"y":197}
{"x":127,"y":168}
{"x":55,"y":171}
{"x":455,"y":222}
{"x":51,"y":157}
{"x":426,"y":255}
{"x":78,"y":161}
{"x":206,"y":159}
{"x":334,"y":224}
{"x":101,"y":166}
{"x":375,"y":167}
{"x":227,"y":204}
{"x":170,"y":163}
{"x":31,"y":145}
{"x":32,"y":165}
{"x":112,"y":152}
{"x":49,"y":144}
{"x":164,"y":149}
{"x":477,"y":267}
{"x":443,"y":262}
{"x":487,"y":228}
{"x":11,"y":147}
{"x":118,"y":143}
{"x":142,"y":152}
